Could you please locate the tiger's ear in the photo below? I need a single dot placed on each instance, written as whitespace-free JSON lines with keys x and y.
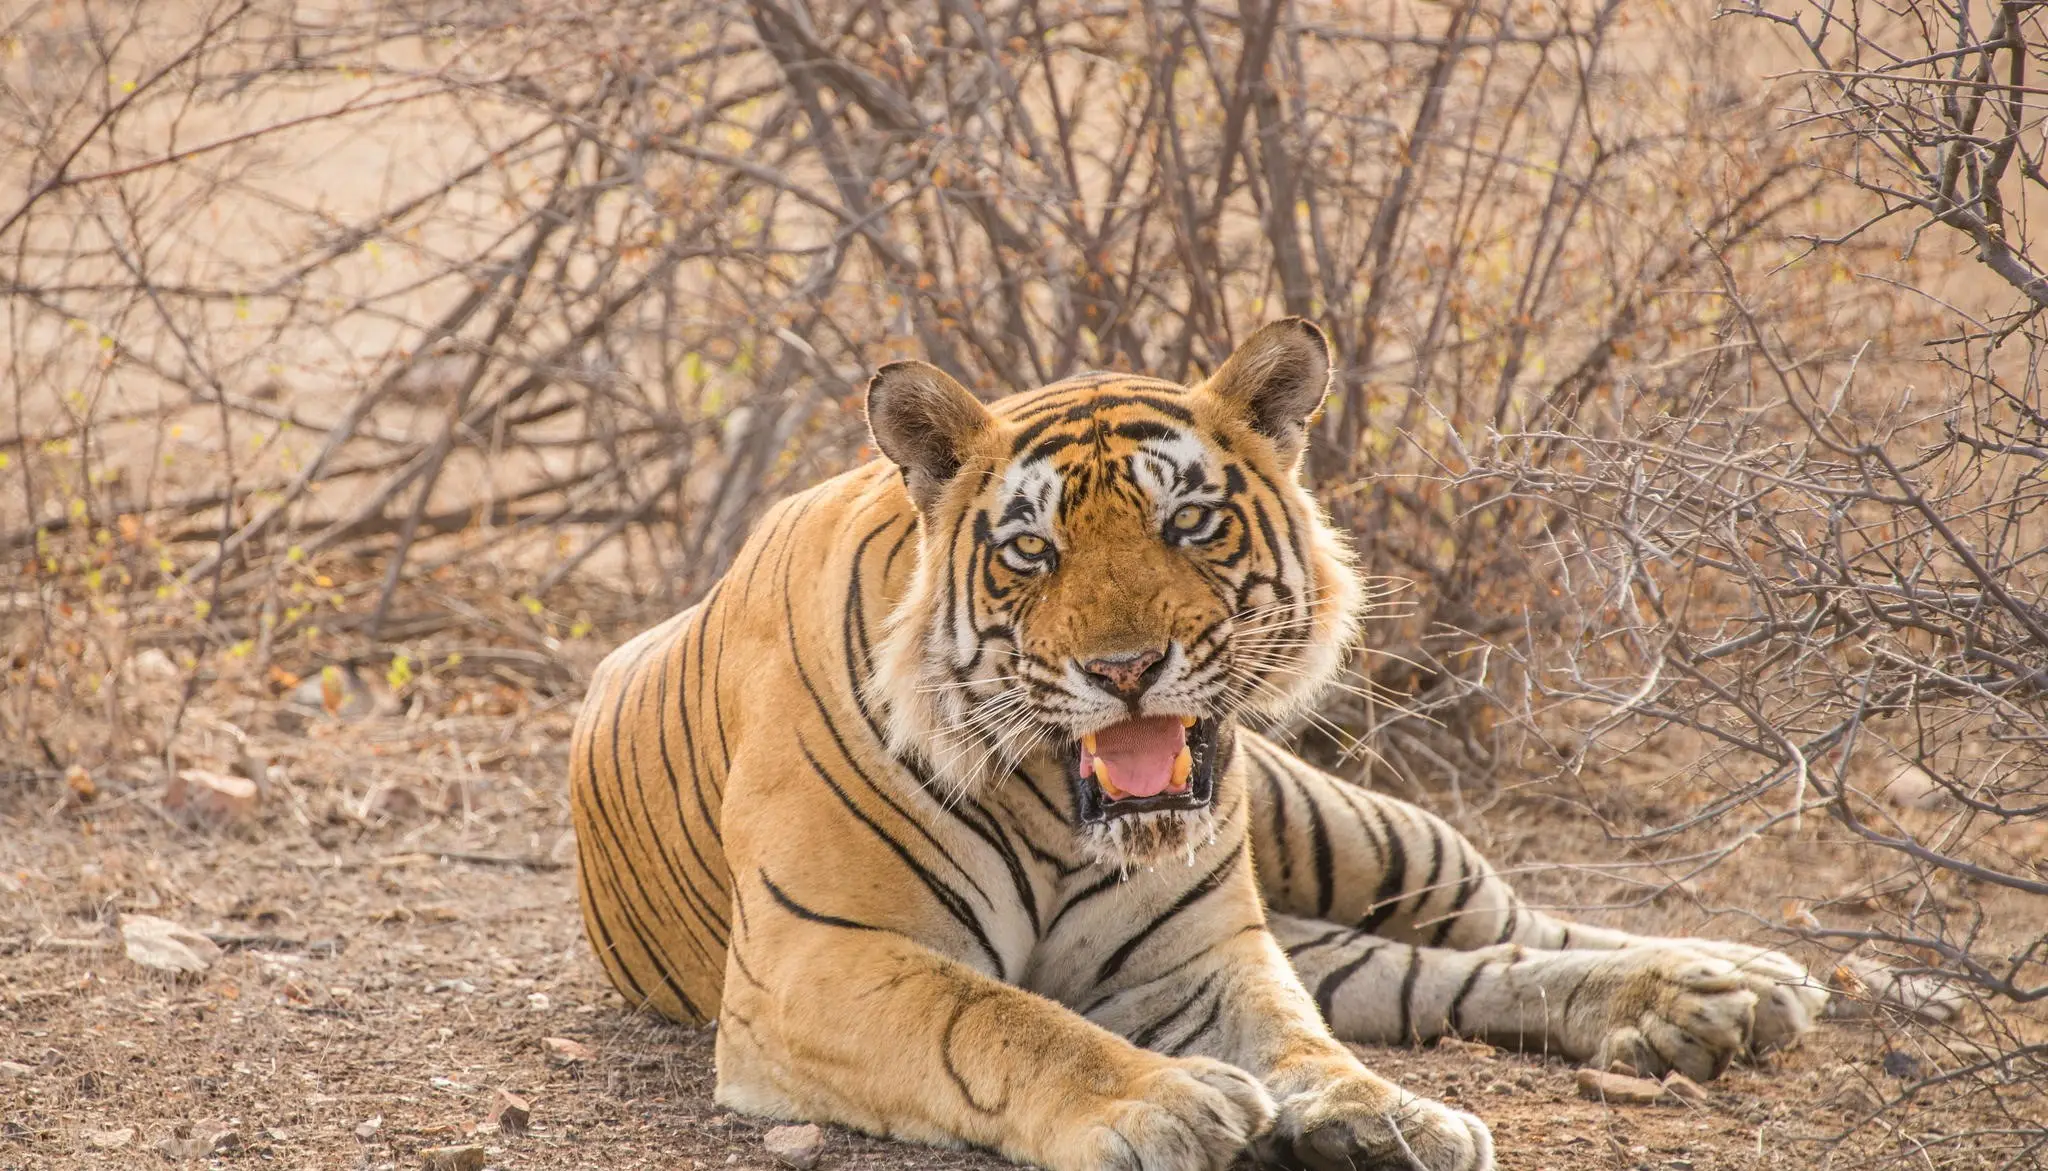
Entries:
{"x":1278,"y":379}
{"x":923,"y":421}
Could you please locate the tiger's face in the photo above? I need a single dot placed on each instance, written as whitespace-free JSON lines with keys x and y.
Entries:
{"x":1111,"y":572}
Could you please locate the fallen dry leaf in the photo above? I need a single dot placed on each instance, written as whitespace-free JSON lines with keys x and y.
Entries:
{"x":109,"y":1140}
{"x":217,"y":798}
{"x":166,"y":946}
{"x":563,"y":1051}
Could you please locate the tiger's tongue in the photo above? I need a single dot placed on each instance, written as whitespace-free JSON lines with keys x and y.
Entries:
{"x":1140,"y":754}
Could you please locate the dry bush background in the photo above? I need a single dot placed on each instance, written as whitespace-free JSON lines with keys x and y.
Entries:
{"x":392,"y":354}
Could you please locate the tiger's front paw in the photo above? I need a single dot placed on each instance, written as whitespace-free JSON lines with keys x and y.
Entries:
{"x":1789,"y":1001}
{"x":1365,"y":1124}
{"x":1194,"y":1114}
{"x":1664,"y":1008}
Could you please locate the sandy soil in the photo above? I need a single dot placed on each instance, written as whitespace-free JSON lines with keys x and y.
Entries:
{"x":402,"y":935}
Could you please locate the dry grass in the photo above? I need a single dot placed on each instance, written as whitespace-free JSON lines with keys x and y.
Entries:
{"x":400,"y":358}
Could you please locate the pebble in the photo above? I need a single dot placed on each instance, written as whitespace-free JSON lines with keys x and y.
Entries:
{"x":463,"y":1158}
{"x":1600,"y":1085}
{"x":796,"y":1146}
{"x":1684,"y":1088}
{"x":511,"y":1112}
{"x":15,"y":1069}
{"x":563,"y":1051}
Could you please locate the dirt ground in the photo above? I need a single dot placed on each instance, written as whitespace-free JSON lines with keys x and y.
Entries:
{"x":401,"y":935}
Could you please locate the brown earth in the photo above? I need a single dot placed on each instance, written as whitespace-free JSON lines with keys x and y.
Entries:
{"x":402,"y":934}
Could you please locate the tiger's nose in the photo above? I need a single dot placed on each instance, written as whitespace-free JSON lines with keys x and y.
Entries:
{"x":1125,"y":676}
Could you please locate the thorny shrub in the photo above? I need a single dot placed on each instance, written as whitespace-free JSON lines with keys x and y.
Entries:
{"x":425,"y":339}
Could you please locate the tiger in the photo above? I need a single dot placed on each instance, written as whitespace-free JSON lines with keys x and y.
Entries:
{"x":945,"y":804}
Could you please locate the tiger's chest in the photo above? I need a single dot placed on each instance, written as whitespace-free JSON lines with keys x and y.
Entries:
{"x":1087,"y":930}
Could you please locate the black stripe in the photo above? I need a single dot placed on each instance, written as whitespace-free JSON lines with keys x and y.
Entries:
{"x":948,"y":898}
{"x":805,"y":913}
{"x":630,"y":922}
{"x":1394,"y":857}
{"x":1281,"y":845}
{"x":1327,"y":937}
{"x":1427,"y":890}
{"x":1144,"y":1037}
{"x":1457,"y":1018}
{"x":955,"y":903}
{"x":1208,"y":1022}
{"x":607,"y":950}
{"x":710,"y":820}
{"x":1107,"y":882}
{"x":1325,"y":860}
{"x":1468,"y":886}
{"x":853,"y":622}
{"x":1326,"y":989}
{"x":1188,"y":898}
{"x":631,"y":780}
{"x":1406,"y":1032}
{"x":676,"y":791}
{"x":1507,"y":930}
{"x":629,"y":918}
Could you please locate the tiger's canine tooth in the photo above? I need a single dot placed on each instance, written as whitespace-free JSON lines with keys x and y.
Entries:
{"x":1182,"y":766}
{"x":1187,"y":721}
{"x":1106,"y":781}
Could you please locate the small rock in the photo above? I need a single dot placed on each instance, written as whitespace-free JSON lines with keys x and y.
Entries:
{"x":391,"y":801}
{"x":1901,"y":1064}
{"x":15,"y":1069}
{"x":563,"y":1051}
{"x":80,"y":783}
{"x":463,"y":1158}
{"x":367,"y":1129}
{"x":1467,"y":1048}
{"x":795,"y":1146}
{"x":1684,"y":1088}
{"x":185,"y":1143}
{"x":1599,"y":1085}
{"x":211,"y":798}
{"x":166,"y":946}
{"x":109,"y":1140}
{"x":1913,"y":787}
{"x":511,"y":1112}
{"x":153,"y":664}
{"x":182,"y":1150}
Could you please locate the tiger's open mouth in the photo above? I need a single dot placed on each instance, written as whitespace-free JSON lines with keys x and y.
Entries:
{"x":1145,"y":765}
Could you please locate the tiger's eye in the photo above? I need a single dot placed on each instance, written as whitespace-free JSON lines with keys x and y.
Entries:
{"x":1190,"y":517}
{"x":1029,"y":545}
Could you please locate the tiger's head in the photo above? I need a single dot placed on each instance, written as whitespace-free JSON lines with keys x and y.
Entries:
{"x":1111,"y":572}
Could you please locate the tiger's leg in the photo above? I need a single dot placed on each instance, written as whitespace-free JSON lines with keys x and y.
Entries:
{"x":1657,"y":1009}
{"x":829,"y":1020}
{"x":1241,"y":1002}
{"x":1349,"y":857}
